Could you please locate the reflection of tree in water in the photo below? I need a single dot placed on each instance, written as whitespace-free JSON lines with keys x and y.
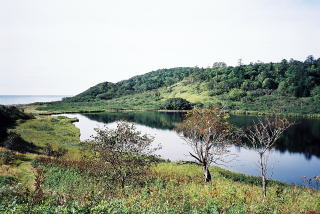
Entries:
{"x":159,"y":120}
{"x":303,"y":137}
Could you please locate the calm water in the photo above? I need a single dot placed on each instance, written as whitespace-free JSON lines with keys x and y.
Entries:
{"x":27,"y":99}
{"x":297,"y":153}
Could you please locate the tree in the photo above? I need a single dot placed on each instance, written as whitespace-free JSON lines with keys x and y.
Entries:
{"x":268,"y":83}
{"x":208,"y":133}
{"x":177,"y":104}
{"x":262,"y":136}
{"x":123,"y":152}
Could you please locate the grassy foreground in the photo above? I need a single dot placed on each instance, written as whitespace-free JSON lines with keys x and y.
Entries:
{"x":38,"y":183}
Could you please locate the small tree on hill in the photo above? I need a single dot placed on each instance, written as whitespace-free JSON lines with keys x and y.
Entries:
{"x":262,"y":136}
{"x":209,"y":134}
{"x":177,"y":104}
{"x":123,"y":152}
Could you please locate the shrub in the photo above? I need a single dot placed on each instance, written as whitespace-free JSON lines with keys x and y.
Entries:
{"x":48,"y":150}
{"x":259,"y":92}
{"x":198,"y":105}
{"x":6,"y":180}
{"x":247,"y":85}
{"x":236,"y":94}
{"x":176,"y":104}
{"x":316,"y":91}
{"x":123,"y":153}
{"x":16,"y":143}
{"x":268,"y":83}
{"x":6,"y":157}
{"x":215,"y":92}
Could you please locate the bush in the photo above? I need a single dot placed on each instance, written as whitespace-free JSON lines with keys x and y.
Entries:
{"x":268,"y":83}
{"x":16,"y":143}
{"x":215,"y":92}
{"x":259,"y":92}
{"x":236,"y":94}
{"x":316,"y":91}
{"x":48,"y":150}
{"x":176,"y":104}
{"x":123,"y":153}
{"x":6,"y":180}
{"x":6,"y":157}
{"x":198,"y":105}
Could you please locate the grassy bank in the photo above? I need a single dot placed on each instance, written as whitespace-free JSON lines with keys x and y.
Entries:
{"x":69,"y":108}
{"x":168,"y":188}
{"x":34,"y":136}
{"x":35,"y":182}
{"x":274,"y":103}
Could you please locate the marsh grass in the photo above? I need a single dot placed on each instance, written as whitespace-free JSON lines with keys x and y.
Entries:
{"x":57,"y":132}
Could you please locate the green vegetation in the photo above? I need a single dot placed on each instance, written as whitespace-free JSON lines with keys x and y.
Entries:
{"x":176,"y":104}
{"x":29,"y":140}
{"x":10,"y":114}
{"x":122,"y":154}
{"x":77,"y":182}
{"x":287,"y":87}
{"x":167,"y":188}
{"x":57,"y":132}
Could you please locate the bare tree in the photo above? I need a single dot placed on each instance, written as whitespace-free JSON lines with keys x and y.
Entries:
{"x":262,"y":136}
{"x":208,"y":133}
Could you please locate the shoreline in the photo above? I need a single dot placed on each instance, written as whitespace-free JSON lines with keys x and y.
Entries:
{"x":232,"y":112}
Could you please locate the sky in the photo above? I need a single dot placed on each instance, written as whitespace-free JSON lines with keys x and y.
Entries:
{"x":66,"y":46}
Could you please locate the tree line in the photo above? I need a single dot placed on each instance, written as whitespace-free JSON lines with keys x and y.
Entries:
{"x":288,"y":77}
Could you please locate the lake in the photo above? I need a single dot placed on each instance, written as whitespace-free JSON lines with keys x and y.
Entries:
{"x":27,"y":99}
{"x":296,"y":154}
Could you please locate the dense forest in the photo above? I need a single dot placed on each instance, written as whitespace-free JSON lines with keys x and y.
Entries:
{"x":296,"y":78}
{"x":150,"y":81}
{"x":289,"y":86}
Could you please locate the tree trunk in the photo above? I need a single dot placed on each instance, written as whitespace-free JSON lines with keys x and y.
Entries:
{"x":122,"y":181}
{"x":263,"y":176}
{"x":207,"y":175}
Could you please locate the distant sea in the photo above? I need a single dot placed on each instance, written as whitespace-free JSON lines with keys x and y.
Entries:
{"x":27,"y":99}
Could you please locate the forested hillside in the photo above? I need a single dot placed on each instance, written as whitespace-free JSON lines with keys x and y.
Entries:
{"x":287,"y":86}
{"x":142,"y":83}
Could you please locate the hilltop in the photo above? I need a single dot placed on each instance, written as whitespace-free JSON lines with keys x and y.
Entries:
{"x":288,"y":87}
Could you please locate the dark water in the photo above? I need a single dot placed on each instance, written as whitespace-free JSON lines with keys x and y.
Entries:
{"x":296,"y":154}
{"x":27,"y":99}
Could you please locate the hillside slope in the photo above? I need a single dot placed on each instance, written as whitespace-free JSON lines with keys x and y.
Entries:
{"x":9,"y":114}
{"x":287,"y":86}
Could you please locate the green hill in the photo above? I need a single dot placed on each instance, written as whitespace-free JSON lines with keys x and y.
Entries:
{"x":285,"y":87}
{"x":138,"y":84}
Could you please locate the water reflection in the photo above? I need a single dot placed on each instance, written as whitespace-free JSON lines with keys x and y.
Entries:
{"x":303,"y":137}
{"x":159,"y":120}
{"x":295,"y":155}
